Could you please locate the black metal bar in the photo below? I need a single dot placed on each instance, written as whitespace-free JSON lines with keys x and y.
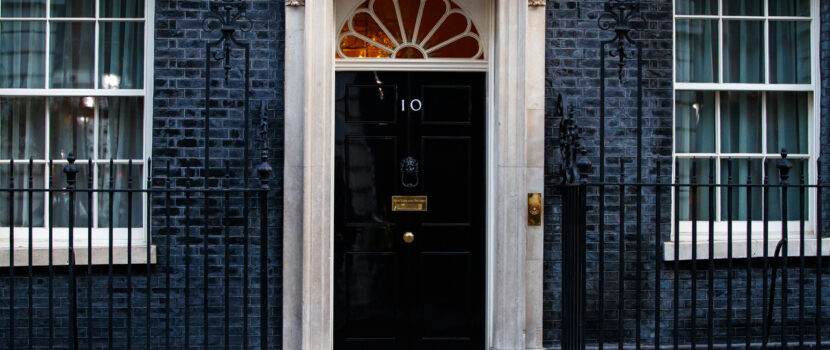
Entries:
{"x":31,"y":242}
{"x":819,"y":258}
{"x":602,"y":197}
{"x":710,"y":298}
{"x":264,"y":170}
{"x":573,"y":265}
{"x":693,"y":194}
{"x":168,"y":258}
{"x":658,"y":257}
{"x":187,"y":260}
{"x":639,"y":249}
{"x":801,"y":198}
{"x":11,"y":254}
{"x":227,"y":291}
{"x":50,"y":284}
{"x":749,"y":308}
{"x":130,"y":255}
{"x":729,"y":276}
{"x":621,"y":277}
{"x":784,"y":167}
{"x":71,"y":171}
{"x":765,"y":286}
{"x":245,"y":281}
{"x":676,"y":209}
{"x":110,"y":254}
{"x":205,"y":267}
{"x":601,"y":248}
{"x":89,"y":221}
{"x":147,"y":266}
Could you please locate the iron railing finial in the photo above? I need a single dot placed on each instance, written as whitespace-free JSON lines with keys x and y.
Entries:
{"x":784,"y":165}
{"x":71,"y":171}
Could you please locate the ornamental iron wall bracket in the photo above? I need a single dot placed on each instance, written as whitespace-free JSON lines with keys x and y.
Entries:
{"x":227,"y":17}
{"x":575,"y":167}
{"x":619,"y":16}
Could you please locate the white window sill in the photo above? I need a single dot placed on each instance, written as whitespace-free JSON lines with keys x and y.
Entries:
{"x":60,"y":247}
{"x":721,"y":248}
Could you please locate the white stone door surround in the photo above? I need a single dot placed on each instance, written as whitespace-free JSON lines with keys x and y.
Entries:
{"x":515,"y":167}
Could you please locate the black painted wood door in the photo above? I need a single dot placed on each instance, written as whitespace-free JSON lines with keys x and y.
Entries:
{"x":427,"y":294}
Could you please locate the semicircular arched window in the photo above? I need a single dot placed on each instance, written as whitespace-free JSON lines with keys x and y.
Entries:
{"x":409,"y":29}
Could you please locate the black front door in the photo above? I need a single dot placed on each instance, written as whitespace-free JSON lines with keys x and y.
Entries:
{"x":409,"y":275}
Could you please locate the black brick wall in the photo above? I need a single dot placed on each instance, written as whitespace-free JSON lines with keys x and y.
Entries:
{"x":178,"y":139}
{"x":573,"y":41}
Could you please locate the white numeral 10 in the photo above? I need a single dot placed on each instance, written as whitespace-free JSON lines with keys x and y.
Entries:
{"x":414,"y":105}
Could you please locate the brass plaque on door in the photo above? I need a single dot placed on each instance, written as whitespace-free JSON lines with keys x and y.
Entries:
{"x":409,"y":203}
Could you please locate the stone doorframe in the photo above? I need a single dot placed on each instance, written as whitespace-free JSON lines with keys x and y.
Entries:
{"x":516,"y":146}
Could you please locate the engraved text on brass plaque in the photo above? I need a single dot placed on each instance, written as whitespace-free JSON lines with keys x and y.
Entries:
{"x":409,"y":203}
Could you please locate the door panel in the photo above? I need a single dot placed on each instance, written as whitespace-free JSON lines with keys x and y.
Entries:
{"x":447,"y":104}
{"x":429,"y":293}
{"x":369,"y":159}
{"x":447,"y":178}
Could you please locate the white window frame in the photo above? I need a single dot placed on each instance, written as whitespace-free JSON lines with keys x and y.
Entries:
{"x":100,"y":242}
{"x":683,"y":233}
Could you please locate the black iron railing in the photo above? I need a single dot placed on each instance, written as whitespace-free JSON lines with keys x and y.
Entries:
{"x":656,"y":279}
{"x":204,"y":255}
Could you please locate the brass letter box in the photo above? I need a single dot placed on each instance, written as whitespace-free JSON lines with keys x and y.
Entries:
{"x":409,"y":203}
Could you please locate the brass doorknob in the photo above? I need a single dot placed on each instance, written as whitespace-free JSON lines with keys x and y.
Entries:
{"x":409,"y":237}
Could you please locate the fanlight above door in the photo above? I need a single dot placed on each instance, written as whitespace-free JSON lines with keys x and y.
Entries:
{"x":409,"y":29}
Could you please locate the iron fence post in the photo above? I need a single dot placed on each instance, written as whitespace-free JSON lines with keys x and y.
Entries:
{"x":574,"y":172}
{"x":71,"y":171}
{"x":574,"y":200}
{"x":264,"y":170}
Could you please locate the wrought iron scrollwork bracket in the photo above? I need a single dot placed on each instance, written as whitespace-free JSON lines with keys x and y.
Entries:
{"x":619,"y":16}
{"x":575,"y":167}
{"x":228,"y":17}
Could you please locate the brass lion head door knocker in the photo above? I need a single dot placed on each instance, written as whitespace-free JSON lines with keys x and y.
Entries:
{"x":409,"y":172}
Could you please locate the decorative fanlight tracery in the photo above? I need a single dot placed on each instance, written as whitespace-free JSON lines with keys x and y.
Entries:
{"x":409,"y":29}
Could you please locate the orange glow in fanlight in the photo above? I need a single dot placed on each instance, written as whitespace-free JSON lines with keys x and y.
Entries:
{"x":442,"y":31}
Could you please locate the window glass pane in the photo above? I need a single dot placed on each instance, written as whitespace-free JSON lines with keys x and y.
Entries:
{"x":22,"y":8}
{"x":743,"y":45}
{"x":72,"y":8}
{"x":122,"y":8}
{"x":741,"y":122}
{"x":121,"y":129}
{"x":787,"y":122}
{"x":121,"y":53}
{"x":22,"y":131}
{"x":72,"y":54}
{"x":743,"y":171}
{"x":798,"y":171}
{"x":743,"y":7}
{"x":60,"y":200}
{"x":789,"y":8}
{"x":697,"y":50}
{"x":21,"y":200}
{"x":119,"y":178}
{"x":71,"y":127}
{"x":697,"y":174}
{"x":789,"y":52}
{"x":22,"y":54}
{"x":697,"y":7}
{"x":695,"y":122}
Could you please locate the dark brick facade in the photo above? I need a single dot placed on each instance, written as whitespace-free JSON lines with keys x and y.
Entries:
{"x":572,"y":69}
{"x":573,"y":41}
{"x":178,"y":139}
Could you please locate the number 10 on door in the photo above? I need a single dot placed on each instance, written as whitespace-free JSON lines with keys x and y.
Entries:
{"x":414,"y":105}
